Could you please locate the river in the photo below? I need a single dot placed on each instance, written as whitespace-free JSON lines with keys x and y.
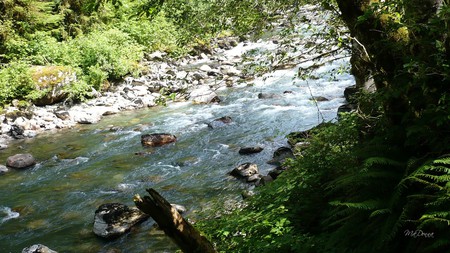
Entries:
{"x":79,"y":169}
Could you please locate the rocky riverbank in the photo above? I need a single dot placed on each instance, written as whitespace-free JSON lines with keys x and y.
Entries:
{"x":226,"y":62}
{"x":193,"y":78}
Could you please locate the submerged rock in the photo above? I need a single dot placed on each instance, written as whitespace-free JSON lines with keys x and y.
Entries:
{"x":20,"y":161}
{"x":268,"y":96}
{"x":250,"y":150}
{"x":220,"y":122}
{"x":114,"y":219}
{"x":157,"y":139}
{"x":38,"y":248}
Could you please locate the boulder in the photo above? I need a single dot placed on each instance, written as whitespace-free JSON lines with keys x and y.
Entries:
{"x":220,"y":122}
{"x":52,"y":81}
{"x":3,"y":169}
{"x":157,"y":139}
{"x":82,"y":117}
{"x":276,"y":172}
{"x":203,"y":95}
{"x":114,"y":219}
{"x":250,"y":150}
{"x":280,"y":155}
{"x":346,"y":108}
{"x":350,"y":92}
{"x":20,"y":161}
{"x":245,"y":170}
{"x":38,"y":248}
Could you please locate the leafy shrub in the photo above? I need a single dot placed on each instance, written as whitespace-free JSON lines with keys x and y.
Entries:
{"x":156,"y":34}
{"x":113,"y":53}
{"x":15,"y":81}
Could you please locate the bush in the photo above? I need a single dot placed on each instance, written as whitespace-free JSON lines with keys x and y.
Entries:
{"x":156,"y":34}
{"x":104,"y":55}
{"x":15,"y":82}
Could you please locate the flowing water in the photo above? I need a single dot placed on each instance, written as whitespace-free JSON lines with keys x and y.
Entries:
{"x":79,"y":169}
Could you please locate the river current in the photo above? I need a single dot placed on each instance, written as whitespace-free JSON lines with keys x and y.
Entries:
{"x":79,"y":169}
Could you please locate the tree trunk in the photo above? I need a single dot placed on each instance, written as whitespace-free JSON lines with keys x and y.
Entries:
{"x":173,"y":224}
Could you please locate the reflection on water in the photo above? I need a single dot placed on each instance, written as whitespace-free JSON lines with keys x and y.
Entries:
{"x":84,"y":167}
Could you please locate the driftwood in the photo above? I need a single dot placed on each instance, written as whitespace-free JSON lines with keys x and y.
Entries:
{"x":173,"y":224}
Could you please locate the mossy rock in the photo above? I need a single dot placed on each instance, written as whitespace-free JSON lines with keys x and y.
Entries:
{"x":51,"y":83}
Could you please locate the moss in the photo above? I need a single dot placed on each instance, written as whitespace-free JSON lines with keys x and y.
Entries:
{"x":45,"y":76}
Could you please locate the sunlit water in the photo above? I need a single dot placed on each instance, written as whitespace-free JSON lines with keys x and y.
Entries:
{"x":79,"y":169}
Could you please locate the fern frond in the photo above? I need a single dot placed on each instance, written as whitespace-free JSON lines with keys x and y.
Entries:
{"x":435,"y":215}
{"x":431,"y":220}
{"x":436,"y":178}
{"x":364,"y":205}
{"x":383,"y":161}
{"x":384,"y":211}
{"x":443,"y":160}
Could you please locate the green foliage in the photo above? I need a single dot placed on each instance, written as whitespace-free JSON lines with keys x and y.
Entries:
{"x":15,"y":81}
{"x":103,"y":55}
{"x":265,"y":225}
{"x":160,"y":33}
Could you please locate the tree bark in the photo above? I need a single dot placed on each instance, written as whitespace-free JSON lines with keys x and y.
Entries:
{"x":173,"y":224}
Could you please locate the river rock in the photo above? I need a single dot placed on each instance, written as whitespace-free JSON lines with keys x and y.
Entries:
{"x":20,"y":161}
{"x":280,"y":155}
{"x":245,"y":170}
{"x":114,"y":219}
{"x":3,"y":169}
{"x":346,"y":108}
{"x":82,"y":117}
{"x":250,"y":150}
{"x":157,"y":139}
{"x":320,"y":99}
{"x":38,"y":248}
{"x":16,"y":132}
{"x":220,"y":122}
{"x":203,"y":95}
{"x":276,"y":172}
{"x":268,"y":96}
{"x":52,"y":81}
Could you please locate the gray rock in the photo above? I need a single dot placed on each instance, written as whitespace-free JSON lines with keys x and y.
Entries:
{"x":114,"y":219}
{"x":203,"y":95}
{"x":86,"y":117}
{"x":3,"y":169}
{"x":20,"y":161}
{"x":245,"y":170}
{"x":38,"y":248}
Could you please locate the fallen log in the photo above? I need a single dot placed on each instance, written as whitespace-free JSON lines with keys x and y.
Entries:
{"x":173,"y":224}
